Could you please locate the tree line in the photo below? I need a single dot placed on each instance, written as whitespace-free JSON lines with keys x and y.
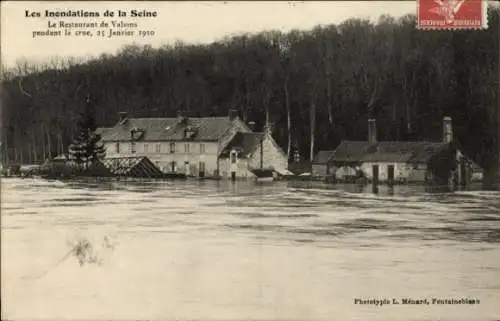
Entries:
{"x":313,"y":88}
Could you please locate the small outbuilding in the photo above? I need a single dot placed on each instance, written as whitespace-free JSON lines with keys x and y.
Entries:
{"x":321,"y":166}
{"x":140,"y":167}
{"x":440,"y":162}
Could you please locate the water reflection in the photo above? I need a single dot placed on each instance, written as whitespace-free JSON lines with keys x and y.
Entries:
{"x":281,"y":210}
{"x":253,"y":248}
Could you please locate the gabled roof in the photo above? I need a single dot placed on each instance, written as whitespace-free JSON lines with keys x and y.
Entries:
{"x":350,"y":151}
{"x":132,"y":166}
{"x":387,"y":151}
{"x":323,"y":156}
{"x":169,"y":129}
{"x":244,"y":143}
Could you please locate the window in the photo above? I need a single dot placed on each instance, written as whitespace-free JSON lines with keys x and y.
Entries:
{"x":132,"y":147}
{"x":146,"y":148}
{"x":233,"y":157}
{"x":158,"y":148}
{"x":202,"y":148}
{"x":172,"y":148}
{"x":173,"y":166}
{"x":117,"y":147}
{"x":186,"y":148}
{"x":419,"y":166}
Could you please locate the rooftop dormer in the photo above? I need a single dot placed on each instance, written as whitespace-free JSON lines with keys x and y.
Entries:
{"x":190,"y":132}
{"x":136,"y":133}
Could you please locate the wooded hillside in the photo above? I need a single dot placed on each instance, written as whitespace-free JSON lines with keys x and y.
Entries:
{"x":315,"y":87}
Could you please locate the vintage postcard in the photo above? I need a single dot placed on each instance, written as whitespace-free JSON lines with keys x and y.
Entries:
{"x":219,"y":160}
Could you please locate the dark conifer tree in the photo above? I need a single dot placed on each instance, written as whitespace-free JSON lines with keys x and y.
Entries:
{"x":87,"y":148}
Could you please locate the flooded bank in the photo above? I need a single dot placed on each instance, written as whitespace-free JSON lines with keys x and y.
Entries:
{"x":216,"y":250}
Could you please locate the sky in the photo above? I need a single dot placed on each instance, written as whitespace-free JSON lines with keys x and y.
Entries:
{"x":191,"y":22}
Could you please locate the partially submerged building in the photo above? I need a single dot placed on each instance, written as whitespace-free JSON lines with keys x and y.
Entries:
{"x":321,"y":166}
{"x":439,"y":162}
{"x":140,"y":167}
{"x":250,"y":152}
{"x":194,"y":146}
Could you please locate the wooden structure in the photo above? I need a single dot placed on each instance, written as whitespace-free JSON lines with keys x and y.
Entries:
{"x":140,"y":167}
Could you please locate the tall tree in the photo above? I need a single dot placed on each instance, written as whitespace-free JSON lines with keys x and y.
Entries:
{"x":87,"y":148}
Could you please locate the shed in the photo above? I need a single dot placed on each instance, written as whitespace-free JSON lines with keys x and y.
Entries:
{"x":439,"y":162}
{"x":133,"y":167}
{"x":320,"y":164}
{"x":393,"y":160}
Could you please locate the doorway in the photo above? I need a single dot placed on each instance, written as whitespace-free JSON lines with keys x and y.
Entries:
{"x":390,"y":173}
{"x":201,"y":171}
{"x":375,"y":174}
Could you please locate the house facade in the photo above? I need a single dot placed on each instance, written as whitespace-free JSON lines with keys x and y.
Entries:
{"x":403,"y":161}
{"x":248,"y":151}
{"x":183,"y":145}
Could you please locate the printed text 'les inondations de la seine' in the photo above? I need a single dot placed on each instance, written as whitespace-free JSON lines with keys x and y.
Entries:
{"x":91,"y":25}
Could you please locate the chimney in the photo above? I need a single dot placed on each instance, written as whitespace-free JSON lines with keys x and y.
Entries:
{"x":268,"y":129}
{"x":372,"y":131}
{"x":122,"y":117}
{"x":251,"y":125}
{"x":233,"y":113}
{"x":447,"y":130}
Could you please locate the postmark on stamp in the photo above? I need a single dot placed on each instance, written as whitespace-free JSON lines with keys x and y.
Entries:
{"x":452,"y":14}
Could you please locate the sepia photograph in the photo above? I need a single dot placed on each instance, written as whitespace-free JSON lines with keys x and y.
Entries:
{"x":250,"y":160}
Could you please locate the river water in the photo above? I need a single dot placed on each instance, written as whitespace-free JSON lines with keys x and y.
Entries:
{"x":243,"y":251}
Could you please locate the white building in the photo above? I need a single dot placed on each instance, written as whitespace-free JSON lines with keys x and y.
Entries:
{"x":190,"y":145}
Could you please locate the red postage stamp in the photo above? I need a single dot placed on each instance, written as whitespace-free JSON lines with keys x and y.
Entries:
{"x":452,"y":14}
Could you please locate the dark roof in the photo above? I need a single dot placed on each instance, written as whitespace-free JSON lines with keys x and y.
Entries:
{"x":323,"y":156}
{"x":168,"y":129}
{"x":362,"y":151}
{"x":350,"y":151}
{"x":244,"y":143}
{"x":102,"y":130}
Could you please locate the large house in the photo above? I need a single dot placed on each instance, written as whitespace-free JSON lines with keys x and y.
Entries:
{"x":441,"y":162}
{"x":195,"y":146}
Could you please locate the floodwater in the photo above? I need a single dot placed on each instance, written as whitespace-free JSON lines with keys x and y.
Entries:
{"x":222,"y":251}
